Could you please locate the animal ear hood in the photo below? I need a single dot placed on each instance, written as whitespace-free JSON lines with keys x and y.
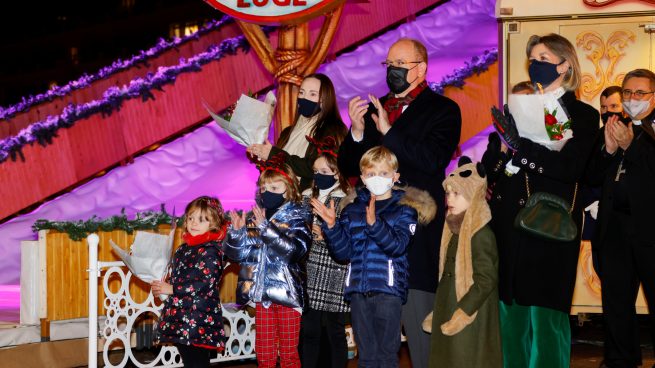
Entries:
{"x":481,"y":170}
{"x":468,"y":179}
{"x":463,"y":160}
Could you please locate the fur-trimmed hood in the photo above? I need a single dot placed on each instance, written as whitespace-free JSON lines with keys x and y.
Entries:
{"x":418,"y":199}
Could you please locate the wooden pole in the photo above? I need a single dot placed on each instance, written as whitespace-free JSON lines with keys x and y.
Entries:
{"x":292,"y":60}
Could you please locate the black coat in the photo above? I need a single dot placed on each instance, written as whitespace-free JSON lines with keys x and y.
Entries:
{"x":639,"y":165}
{"x":424,"y":139}
{"x":533,"y":271}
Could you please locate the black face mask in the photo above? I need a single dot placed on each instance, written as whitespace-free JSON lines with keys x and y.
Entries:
{"x":308,"y":108}
{"x":397,"y":79}
{"x":606,"y":115}
{"x":324,"y":181}
{"x":271,"y":200}
{"x":543,"y":72}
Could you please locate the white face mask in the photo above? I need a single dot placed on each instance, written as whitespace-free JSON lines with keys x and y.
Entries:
{"x":635,"y":108}
{"x":378,"y":185}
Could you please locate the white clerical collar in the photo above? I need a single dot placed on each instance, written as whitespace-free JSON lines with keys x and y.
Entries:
{"x":636,"y":122}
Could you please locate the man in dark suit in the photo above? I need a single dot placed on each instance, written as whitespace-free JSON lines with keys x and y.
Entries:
{"x":625,"y":241}
{"x":422,"y":129}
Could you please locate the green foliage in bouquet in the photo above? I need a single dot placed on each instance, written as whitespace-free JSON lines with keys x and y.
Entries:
{"x":554,"y":128}
{"x":228,"y":112}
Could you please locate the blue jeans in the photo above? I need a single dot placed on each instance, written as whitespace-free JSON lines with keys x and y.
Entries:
{"x":376,"y":326}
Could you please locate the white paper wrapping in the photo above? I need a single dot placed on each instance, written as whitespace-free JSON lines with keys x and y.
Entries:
{"x":528,"y":113}
{"x":250,"y":120}
{"x":150,"y":255}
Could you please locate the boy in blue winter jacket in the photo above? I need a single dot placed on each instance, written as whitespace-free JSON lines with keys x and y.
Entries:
{"x":374,"y":233}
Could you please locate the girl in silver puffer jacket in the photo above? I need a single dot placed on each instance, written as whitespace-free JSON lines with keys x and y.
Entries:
{"x":269,"y":249}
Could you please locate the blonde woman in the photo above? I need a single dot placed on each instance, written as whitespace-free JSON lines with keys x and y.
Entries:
{"x":537,"y":276}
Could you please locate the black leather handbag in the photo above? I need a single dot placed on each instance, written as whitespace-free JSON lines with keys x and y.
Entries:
{"x":547,"y":216}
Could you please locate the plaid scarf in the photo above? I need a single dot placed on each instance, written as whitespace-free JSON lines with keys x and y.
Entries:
{"x":394,"y":105}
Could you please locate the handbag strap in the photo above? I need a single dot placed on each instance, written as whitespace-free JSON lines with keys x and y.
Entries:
{"x":575,"y":191}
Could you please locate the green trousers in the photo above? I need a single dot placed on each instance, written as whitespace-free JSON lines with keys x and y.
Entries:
{"x":534,"y":337}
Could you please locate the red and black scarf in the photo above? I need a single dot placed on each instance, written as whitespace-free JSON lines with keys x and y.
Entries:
{"x":394,"y":105}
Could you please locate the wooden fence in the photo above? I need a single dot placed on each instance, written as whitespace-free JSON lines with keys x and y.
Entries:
{"x":66,"y":289}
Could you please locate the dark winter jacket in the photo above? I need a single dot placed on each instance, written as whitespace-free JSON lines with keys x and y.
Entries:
{"x":424,"y":139}
{"x":193,"y":314}
{"x":269,"y":255}
{"x":378,"y":252}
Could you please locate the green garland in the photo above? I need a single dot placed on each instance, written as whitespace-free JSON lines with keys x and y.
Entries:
{"x":78,"y":230}
{"x":147,"y":220}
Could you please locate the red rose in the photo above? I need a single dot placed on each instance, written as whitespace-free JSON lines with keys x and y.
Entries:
{"x":201,"y":330}
{"x":558,"y":137}
{"x":550,"y":120}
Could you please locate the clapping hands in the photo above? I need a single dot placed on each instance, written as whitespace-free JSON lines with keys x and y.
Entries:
{"x":381,"y":119}
{"x":239,"y":220}
{"x":370,"y":211}
{"x":260,"y":215}
{"x":327,"y":213}
{"x":357,"y":108}
{"x":617,"y":135}
{"x":505,"y":125}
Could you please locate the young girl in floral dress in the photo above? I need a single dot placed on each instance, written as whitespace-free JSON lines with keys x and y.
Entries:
{"x":192,"y":317}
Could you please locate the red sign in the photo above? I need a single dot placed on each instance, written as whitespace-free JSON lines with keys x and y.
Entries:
{"x":599,"y":3}
{"x":274,"y":11}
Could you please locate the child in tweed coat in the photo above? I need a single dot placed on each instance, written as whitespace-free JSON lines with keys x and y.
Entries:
{"x":325,"y":277}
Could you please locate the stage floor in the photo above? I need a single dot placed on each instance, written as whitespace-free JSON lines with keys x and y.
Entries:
{"x":587,"y":349}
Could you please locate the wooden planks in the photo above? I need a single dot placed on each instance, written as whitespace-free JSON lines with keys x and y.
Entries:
{"x":67,"y":278}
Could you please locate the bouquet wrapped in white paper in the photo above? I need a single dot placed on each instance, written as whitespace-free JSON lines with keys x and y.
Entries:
{"x":150,"y":255}
{"x":250,"y":120}
{"x":541,"y":119}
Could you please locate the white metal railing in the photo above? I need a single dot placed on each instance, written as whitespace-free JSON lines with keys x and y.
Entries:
{"x":122,"y":311}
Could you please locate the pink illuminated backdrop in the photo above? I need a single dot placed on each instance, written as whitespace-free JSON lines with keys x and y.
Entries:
{"x":207,"y":161}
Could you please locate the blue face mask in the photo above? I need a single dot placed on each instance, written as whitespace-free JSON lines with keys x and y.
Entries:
{"x":308,"y":108}
{"x":271,"y":201}
{"x":324,"y":181}
{"x":543,"y":72}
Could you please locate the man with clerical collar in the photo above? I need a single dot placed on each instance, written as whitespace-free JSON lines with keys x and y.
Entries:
{"x":625,"y":241}
{"x":422,"y":128}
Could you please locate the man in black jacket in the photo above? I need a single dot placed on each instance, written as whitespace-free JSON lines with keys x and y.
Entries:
{"x":422,"y":129}
{"x":625,"y":240}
